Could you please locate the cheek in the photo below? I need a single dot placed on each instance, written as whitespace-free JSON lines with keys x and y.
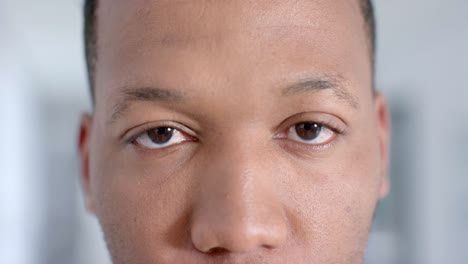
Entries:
{"x":332,"y":201}
{"x":332,"y":219}
{"x":140,"y":205}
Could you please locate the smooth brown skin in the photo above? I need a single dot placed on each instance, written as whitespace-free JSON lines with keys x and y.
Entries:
{"x":238,"y":194}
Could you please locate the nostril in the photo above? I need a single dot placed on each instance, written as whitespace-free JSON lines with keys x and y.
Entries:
{"x":268,"y":247}
{"x":217,"y":251}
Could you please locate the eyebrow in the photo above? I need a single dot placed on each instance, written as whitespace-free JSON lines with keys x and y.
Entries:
{"x":156,"y":94}
{"x":315,"y":84}
{"x":148,"y":94}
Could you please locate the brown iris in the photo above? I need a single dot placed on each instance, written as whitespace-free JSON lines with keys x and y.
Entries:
{"x":308,"y":131}
{"x":161,"y":135}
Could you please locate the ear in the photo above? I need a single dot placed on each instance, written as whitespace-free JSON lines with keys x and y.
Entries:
{"x":383,"y":126}
{"x":84,"y":140}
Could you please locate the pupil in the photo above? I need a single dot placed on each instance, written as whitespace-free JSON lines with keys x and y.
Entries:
{"x":161,"y":135}
{"x":308,"y":131}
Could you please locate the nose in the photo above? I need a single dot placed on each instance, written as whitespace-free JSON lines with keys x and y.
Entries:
{"x":238,"y":208}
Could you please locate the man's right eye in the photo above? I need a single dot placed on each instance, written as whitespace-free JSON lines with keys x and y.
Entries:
{"x":161,"y":137}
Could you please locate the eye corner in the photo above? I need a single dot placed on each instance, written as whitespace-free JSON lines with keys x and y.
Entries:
{"x":281,"y":135}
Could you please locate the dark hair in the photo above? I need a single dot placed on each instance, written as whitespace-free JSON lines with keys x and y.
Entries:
{"x":90,"y":38}
{"x":90,"y":34}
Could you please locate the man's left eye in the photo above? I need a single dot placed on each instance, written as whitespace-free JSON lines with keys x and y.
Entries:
{"x":311,"y":133}
{"x":160,"y":137}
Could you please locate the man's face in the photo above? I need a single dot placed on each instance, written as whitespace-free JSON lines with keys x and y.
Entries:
{"x":234,"y":132}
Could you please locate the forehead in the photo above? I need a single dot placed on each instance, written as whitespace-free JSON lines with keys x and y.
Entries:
{"x":184,"y":21}
{"x":149,"y":38}
{"x":186,"y":16}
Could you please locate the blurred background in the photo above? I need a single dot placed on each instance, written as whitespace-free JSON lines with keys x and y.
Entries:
{"x":422,"y":66}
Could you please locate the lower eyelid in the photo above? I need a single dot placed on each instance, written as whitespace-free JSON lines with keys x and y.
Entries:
{"x":307,"y":150}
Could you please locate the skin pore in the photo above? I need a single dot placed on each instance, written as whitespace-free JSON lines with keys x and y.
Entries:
{"x":234,"y":132}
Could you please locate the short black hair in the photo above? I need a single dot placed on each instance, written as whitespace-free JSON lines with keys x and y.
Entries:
{"x":90,"y":34}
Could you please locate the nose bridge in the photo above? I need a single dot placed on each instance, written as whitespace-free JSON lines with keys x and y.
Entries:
{"x":237,"y":209}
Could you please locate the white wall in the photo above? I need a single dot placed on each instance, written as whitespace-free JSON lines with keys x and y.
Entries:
{"x":423,"y":60}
